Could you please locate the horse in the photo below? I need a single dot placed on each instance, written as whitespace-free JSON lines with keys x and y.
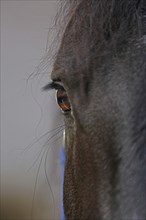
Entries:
{"x":99,"y":75}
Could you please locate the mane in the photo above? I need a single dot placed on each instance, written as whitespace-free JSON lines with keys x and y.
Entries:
{"x":111,"y":13}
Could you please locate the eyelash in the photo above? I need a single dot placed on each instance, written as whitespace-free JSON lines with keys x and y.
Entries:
{"x":52,"y":85}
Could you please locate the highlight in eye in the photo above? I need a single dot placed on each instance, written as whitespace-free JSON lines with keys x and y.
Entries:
{"x":62,"y":100}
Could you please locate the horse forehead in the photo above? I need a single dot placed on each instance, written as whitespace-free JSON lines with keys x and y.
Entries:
{"x":75,"y":60}
{"x":74,"y":57}
{"x":70,"y":70}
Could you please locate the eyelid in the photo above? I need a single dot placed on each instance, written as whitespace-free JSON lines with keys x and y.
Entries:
{"x":53,"y":85}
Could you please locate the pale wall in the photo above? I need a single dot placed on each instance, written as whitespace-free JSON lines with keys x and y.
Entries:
{"x":27,"y":113}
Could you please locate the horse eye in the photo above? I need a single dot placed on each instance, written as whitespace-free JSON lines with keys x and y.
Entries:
{"x":62,"y":100}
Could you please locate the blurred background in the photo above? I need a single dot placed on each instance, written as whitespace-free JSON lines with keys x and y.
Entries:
{"x":31,"y":123}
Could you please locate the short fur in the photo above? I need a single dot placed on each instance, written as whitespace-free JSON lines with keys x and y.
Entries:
{"x":102,"y":65}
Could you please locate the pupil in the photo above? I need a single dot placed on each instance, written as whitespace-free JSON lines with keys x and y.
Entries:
{"x":62,"y":100}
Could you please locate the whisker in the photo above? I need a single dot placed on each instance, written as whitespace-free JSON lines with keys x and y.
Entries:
{"x":41,"y":154}
{"x":47,"y":142}
{"x":35,"y":185}
{"x":45,"y":165}
{"x":56,"y":139}
{"x":42,"y":136}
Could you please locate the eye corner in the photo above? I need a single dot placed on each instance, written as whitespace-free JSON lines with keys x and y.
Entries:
{"x":66,"y":113}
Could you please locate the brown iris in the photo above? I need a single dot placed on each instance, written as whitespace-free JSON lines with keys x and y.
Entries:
{"x":62,"y":100}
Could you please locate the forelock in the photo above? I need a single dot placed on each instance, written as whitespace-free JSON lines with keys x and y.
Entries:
{"x":94,"y":28}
